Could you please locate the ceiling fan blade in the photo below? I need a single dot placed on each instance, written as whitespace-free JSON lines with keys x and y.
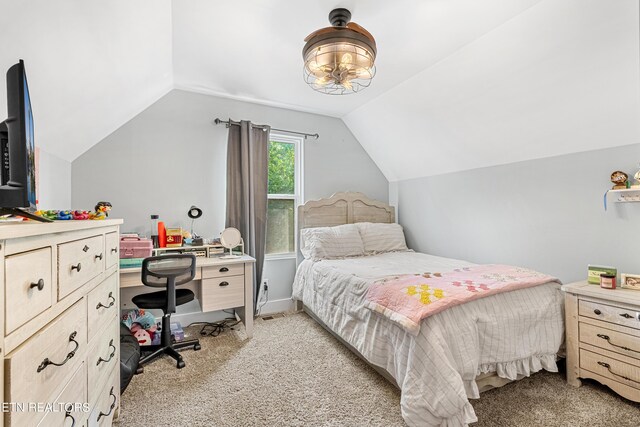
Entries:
{"x":357,"y":28}
{"x":319,"y":32}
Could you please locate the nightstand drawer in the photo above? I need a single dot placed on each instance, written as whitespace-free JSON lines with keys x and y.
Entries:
{"x":615,"y":341}
{"x":29,"y":287}
{"x":609,"y":313}
{"x":223,"y":292}
{"x":610,"y":367}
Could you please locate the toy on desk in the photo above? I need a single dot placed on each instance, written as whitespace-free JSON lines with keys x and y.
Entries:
{"x":80,"y":215}
{"x":102,"y":211}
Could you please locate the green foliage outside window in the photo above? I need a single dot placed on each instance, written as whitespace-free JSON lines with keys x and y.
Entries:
{"x":281,"y":168}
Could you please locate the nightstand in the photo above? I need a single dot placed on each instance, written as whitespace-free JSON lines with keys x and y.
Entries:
{"x":603,"y":337}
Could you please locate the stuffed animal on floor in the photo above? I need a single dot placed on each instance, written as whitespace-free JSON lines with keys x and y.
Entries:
{"x":141,"y":324}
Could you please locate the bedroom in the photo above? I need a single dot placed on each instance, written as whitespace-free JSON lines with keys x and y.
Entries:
{"x":487,"y":136}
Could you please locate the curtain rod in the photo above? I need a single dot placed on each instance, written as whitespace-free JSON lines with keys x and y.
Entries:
{"x":230,"y":122}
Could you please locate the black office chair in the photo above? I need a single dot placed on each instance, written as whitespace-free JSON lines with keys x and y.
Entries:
{"x":167,"y":271}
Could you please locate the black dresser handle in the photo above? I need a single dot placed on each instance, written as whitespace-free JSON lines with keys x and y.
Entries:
{"x":606,"y":365}
{"x":76,"y":267}
{"x":626,"y":316}
{"x":598,"y":312}
{"x":113,"y":352}
{"x":224,"y":270}
{"x":85,"y":249}
{"x":606,"y":338}
{"x":113,"y":405}
{"x":99,"y":256}
{"x":39,"y":285}
{"x":223,"y":284}
{"x":67,"y":414}
{"x":112,"y":301}
{"x":46,"y":362}
{"x":114,"y":250}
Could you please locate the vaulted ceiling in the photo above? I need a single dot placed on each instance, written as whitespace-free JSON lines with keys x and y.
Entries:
{"x":460,"y":83}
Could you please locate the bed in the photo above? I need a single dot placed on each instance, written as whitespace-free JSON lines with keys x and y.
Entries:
{"x":458,"y":353}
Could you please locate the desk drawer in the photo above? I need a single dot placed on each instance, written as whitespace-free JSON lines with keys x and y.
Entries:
{"x":29,"y":378}
{"x":615,"y":341}
{"x":74,"y":397}
{"x":111,"y":247}
{"x":222,"y":270}
{"x":103,"y":357}
{"x":608,"y":366}
{"x":79,"y":262}
{"x":102,"y":305}
{"x":609,"y":313}
{"x":223,"y":292}
{"x":29,"y":287}
{"x":107,"y":403}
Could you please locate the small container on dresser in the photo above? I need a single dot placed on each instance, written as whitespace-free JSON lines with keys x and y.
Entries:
{"x":60,"y":341}
{"x":603,"y":337}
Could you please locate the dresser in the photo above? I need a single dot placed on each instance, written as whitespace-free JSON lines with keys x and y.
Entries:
{"x":603,"y":337}
{"x":61,"y":323}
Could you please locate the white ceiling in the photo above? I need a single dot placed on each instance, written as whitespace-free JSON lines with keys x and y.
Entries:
{"x":91,"y":65}
{"x":460,"y":83}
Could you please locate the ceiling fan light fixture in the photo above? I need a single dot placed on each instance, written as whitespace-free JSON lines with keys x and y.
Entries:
{"x":340,"y":59}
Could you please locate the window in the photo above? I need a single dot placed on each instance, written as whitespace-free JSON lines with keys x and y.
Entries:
{"x":285,"y":192}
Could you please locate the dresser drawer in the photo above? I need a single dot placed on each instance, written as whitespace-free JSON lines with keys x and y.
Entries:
{"x":609,"y":313}
{"x":615,"y":341}
{"x":105,"y":406}
{"x":79,"y":262}
{"x":102,"y":305}
{"x":222,"y":292}
{"x":31,"y":374}
{"x":111,"y":247}
{"x":29,"y":287}
{"x":73,"y":399}
{"x":103,"y":357}
{"x":607,"y":366}
{"x":222,"y":271}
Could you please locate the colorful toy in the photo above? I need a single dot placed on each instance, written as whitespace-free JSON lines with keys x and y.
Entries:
{"x":48,"y":214}
{"x":102,"y":211}
{"x":143,"y":337}
{"x":64,"y":216}
{"x":80,"y":215}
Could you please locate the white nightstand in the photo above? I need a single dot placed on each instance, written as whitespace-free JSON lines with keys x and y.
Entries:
{"x":603,"y":337}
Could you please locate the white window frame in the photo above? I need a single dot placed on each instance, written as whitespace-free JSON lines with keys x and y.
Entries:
{"x":298,"y":197}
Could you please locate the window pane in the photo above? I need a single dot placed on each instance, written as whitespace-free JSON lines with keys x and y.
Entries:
{"x":280,"y":226}
{"x":282,"y":169}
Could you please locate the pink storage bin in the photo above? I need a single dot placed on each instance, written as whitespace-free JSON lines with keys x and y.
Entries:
{"x":135,"y":247}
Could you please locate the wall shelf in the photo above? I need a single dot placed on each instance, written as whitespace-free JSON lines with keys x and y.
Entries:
{"x":626,"y":195}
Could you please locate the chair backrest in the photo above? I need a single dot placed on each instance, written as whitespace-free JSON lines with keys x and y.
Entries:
{"x":161,"y":271}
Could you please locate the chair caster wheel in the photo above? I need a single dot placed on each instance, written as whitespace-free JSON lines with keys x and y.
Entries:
{"x":140,"y":370}
{"x":181,"y":364}
{"x":197,"y":347}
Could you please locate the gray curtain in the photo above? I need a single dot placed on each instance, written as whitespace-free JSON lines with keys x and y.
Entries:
{"x":247,"y":173}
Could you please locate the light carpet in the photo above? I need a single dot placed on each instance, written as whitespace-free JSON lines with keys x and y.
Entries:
{"x":293,"y":373}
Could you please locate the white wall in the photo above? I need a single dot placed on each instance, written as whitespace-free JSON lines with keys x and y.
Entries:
{"x":172,"y":156}
{"x":54,"y":183}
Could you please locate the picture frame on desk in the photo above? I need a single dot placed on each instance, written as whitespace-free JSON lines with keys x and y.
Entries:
{"x":630,"y":281}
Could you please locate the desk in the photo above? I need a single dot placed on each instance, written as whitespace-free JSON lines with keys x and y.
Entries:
{"x":222,"y":283}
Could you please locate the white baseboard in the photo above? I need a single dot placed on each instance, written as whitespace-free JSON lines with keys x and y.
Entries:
{"x":278,"y":306}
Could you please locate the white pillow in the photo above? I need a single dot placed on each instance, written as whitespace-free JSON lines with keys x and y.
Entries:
{"x":380,"y":237}
{"x":331,"y":242}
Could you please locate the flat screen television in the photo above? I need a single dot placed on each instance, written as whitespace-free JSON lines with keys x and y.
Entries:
{"x":17,"y":149}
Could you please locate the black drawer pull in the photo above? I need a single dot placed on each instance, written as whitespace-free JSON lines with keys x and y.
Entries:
{"x":85,"y":249}
{"x":606,"y":337}
{"x":114,"y":250}
{"x":223,"y":284}
{"x":99,"y":256}
{"x":76,"y":267}
{"x":112,"y":301}
{"x":39,"y":285}
{"x":598,"y":312}
{"x":113,"y":405}
{"x":46,"y":362}
{"x":224,"y":270}
{"x":113,"y":352}
{"x":626,"y":316}
{"x":606,"y":365}
{"x":67,"y":414}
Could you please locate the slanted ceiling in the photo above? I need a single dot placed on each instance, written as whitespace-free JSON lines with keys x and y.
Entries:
{"x":460,"y":84}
